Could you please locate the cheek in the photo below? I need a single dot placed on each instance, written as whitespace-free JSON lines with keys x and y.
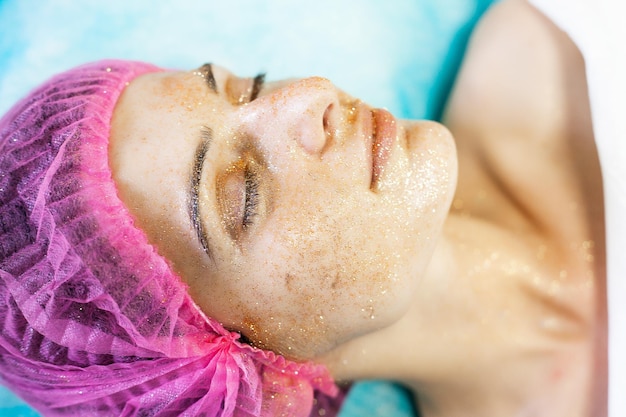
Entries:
{"x":324,"y":280}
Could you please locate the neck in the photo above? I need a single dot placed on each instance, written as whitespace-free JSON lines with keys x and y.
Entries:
{"x":465,"y":346}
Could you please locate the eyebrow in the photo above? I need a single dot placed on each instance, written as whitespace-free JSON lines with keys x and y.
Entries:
{"x":206,"y":71}
{"x":196,"y":174}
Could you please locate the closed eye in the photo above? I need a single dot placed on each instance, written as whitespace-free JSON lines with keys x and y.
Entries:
{"x":240,"y":196}
{"x":241,"y":91}
{"x":196,"y":174}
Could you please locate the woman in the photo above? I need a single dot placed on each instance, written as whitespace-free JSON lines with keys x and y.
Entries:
{"x":319,"y":229}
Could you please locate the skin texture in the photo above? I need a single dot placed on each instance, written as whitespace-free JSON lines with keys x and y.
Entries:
{"x":510,"y":315}
{"x":493,"y":307}
{"x":328,"y":255}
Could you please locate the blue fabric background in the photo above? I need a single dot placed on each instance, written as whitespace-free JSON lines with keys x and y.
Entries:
{"x":398,"y":54}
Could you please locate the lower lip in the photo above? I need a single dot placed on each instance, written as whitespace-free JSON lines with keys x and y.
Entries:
{"x":384,"y":133}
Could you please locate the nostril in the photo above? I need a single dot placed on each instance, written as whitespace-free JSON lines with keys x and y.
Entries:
{"x":329,"y":127}
{"x":326,"y":118}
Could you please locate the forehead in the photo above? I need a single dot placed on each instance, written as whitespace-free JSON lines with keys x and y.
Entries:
{"x":160,"y":108}
{"x":171,"y":90}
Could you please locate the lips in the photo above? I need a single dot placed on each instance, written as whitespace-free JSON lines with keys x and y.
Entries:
{"x":384,"y":131}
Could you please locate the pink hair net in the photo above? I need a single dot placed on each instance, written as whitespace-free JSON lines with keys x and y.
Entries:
{"x":94,"y":321}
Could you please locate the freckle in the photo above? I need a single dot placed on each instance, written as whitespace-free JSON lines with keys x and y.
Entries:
{"x":289,"y":282}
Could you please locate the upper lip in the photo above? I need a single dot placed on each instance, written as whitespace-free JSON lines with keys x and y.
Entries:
{"x":383,"y":133}
{"x":367,"y":122}
{"x":378,"y":130}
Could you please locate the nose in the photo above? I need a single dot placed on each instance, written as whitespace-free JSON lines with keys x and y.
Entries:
{"x":305,"y":112}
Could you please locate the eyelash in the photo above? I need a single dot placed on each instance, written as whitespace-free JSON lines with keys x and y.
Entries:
{"x":251,"y":203}
{"x":257,"y":85}
{"x":251,"y":180}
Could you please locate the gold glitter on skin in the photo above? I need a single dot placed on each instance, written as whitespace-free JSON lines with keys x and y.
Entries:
{"x":512,"y":301}
{"x":310,"y":253}
{"x":490,"y":305}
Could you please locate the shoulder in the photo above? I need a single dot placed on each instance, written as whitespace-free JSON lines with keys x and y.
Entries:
{"x":516,"y":76}
{"x":520,"y":114}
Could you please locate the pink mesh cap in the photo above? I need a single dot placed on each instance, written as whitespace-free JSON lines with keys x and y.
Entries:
{"x":94,"y":321}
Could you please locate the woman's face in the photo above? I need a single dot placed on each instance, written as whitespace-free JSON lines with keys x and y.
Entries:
{"x":296,"y":214}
